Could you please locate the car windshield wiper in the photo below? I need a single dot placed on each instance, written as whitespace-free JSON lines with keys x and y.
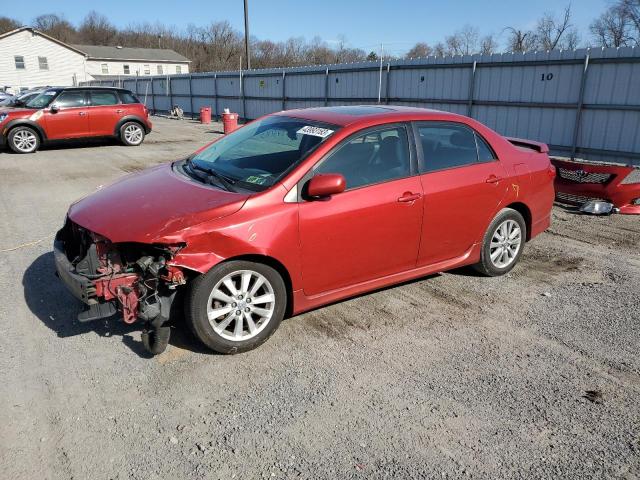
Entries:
{"x":222,"y":180}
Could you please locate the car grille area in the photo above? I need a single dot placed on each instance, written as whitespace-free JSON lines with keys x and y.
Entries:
{"x":575,"y":199}
{"x":580,"y":176}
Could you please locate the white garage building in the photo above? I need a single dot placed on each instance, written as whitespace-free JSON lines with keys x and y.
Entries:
{"x":29,"y":58}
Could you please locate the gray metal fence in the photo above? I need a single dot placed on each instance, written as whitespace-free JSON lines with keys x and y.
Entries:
{"x":583,"y":103}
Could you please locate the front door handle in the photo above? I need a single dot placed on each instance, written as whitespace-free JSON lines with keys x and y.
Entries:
{"x":82,"y":114}
{"x":409,"y":197}
{"x":119,"y":111}
{"x":493,"y":179}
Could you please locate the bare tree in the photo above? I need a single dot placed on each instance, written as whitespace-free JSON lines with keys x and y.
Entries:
{"x":611,"y":28}
{"x":56,"y":26}
{"x":439,"y":49}
{"x":7,"y":24}
{"x":520,"y":40}
{"x":419,"y":50}
{"x":618,"y":25}
{"x":556,"y":33}
{"x":632,"y":11}
{"x":96,"y":29}
{"x":488,"y":45}
{"x":463,"y":42}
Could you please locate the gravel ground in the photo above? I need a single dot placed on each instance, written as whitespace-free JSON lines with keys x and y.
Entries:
{"x":532,"y":375}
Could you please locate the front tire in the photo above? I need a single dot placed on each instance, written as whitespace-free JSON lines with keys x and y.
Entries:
{"x":132,"y":134}
{"x":236,"y":306}
{"x":23,"y":140}
{"x":502,"y":244}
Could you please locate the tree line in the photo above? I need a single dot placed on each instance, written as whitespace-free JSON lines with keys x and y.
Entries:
{"x":218,"y":46}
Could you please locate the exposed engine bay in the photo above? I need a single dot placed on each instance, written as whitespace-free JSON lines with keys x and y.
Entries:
{"x":135,"y":279}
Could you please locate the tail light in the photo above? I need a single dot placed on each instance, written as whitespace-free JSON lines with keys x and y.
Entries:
{"x":552,"y":171}
{"x":146,"y":110}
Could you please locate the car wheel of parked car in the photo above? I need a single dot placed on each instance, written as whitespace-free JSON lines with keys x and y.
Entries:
{"x":24,"y":140}
{"x":503,"y":243}
{"x":236,"y":306}
{"x":132,"y":134}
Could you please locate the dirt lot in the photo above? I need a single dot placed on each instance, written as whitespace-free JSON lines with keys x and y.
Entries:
{"x":533,"y":375}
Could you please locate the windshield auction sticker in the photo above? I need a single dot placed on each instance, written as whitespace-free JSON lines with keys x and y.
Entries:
{"x":315,"y":131}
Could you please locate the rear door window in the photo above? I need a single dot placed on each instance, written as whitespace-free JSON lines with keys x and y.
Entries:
{"x":450,"y":145}
{"x":485,"y":152}
{"x":128,"y":97}
{"x":103,"y":98}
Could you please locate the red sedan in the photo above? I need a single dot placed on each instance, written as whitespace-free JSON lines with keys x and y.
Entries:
{"x":300,"y":209}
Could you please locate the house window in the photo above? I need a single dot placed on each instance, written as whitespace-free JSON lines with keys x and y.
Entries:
{"x":147,"y":70}
{"x":19,"y":62}
{"x":43,"y":63}
{"x":178,"y":69}
{"x":105,"y":68}
{"x":127,"y":71}
{"x":159,"y":69}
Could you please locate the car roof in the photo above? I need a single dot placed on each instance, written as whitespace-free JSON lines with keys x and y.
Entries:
{"x":368,"y":114}
{"x":87,"y":87}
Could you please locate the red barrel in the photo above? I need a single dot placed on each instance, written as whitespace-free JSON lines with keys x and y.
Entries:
{"x":205,"y":115}
{"x":229,"y":121}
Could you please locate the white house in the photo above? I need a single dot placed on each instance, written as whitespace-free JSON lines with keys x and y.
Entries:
{"x":29,"y":58}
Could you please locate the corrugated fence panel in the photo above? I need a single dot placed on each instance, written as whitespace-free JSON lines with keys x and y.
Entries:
{"x":354,"y":84}
{"x":589,"y":107}
{"x":305,"y":86}
{"x":228,"y":86}
{"x":258,"y":108}
{"x":270,"y":86}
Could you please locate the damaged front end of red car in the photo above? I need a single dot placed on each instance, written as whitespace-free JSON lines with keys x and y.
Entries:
{"x":138,"y":280}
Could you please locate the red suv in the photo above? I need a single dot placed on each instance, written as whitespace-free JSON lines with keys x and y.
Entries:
{"x":75,"y":112}
{"x":299,"y":209}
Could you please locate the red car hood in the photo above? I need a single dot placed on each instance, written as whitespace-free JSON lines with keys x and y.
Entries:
{"x":157,"y":205}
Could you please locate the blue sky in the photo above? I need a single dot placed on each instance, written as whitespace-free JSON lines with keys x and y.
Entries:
{"x":364,"y":23}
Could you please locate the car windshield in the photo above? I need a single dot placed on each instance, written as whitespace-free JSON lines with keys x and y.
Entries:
{"x":42,"y":100}
{"x":257,"y":155}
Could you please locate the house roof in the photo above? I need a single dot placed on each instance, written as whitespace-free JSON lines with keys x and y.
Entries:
{"x":103,"y":52}
{"x":38,"y":32}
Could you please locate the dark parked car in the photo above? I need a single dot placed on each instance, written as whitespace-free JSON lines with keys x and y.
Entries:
{"x":72,"y":113}
{"x":300,"y":209}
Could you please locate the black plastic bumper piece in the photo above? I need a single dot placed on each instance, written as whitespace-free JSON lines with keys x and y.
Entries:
{"x":77,"y":284}
{"x":96,"y":311}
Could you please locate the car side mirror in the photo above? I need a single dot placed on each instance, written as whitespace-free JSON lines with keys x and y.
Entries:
{"x":325,"y":185}
{"x":54,"y":109}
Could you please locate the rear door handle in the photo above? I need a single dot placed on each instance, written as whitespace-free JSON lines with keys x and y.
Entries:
{"x":409,"y":197}
{"x":493,"y":179}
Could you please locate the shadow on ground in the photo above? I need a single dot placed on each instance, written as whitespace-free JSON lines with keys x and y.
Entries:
{"x":49,"y":300}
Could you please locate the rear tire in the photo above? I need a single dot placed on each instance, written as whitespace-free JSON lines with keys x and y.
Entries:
{"x":23,"y":139}
{"x":132,"y":134}
{"x":503,"y":243}
{"x":236,"y":306}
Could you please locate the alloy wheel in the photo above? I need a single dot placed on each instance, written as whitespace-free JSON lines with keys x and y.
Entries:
{"x":241,"y":305}
{"x":133,"y":134}
{"x":25,"y":141}
{"x":505,"y":243}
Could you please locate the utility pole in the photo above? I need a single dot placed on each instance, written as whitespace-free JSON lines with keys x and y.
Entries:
{"x":246,"y":34}
{"x":380,"y":77}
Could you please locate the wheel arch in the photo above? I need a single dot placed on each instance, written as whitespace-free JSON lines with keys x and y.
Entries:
{"x":23,"y":122}
{"x":277,"y":266}
{"x":130,"y":118}
{"x":525,"y":211}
